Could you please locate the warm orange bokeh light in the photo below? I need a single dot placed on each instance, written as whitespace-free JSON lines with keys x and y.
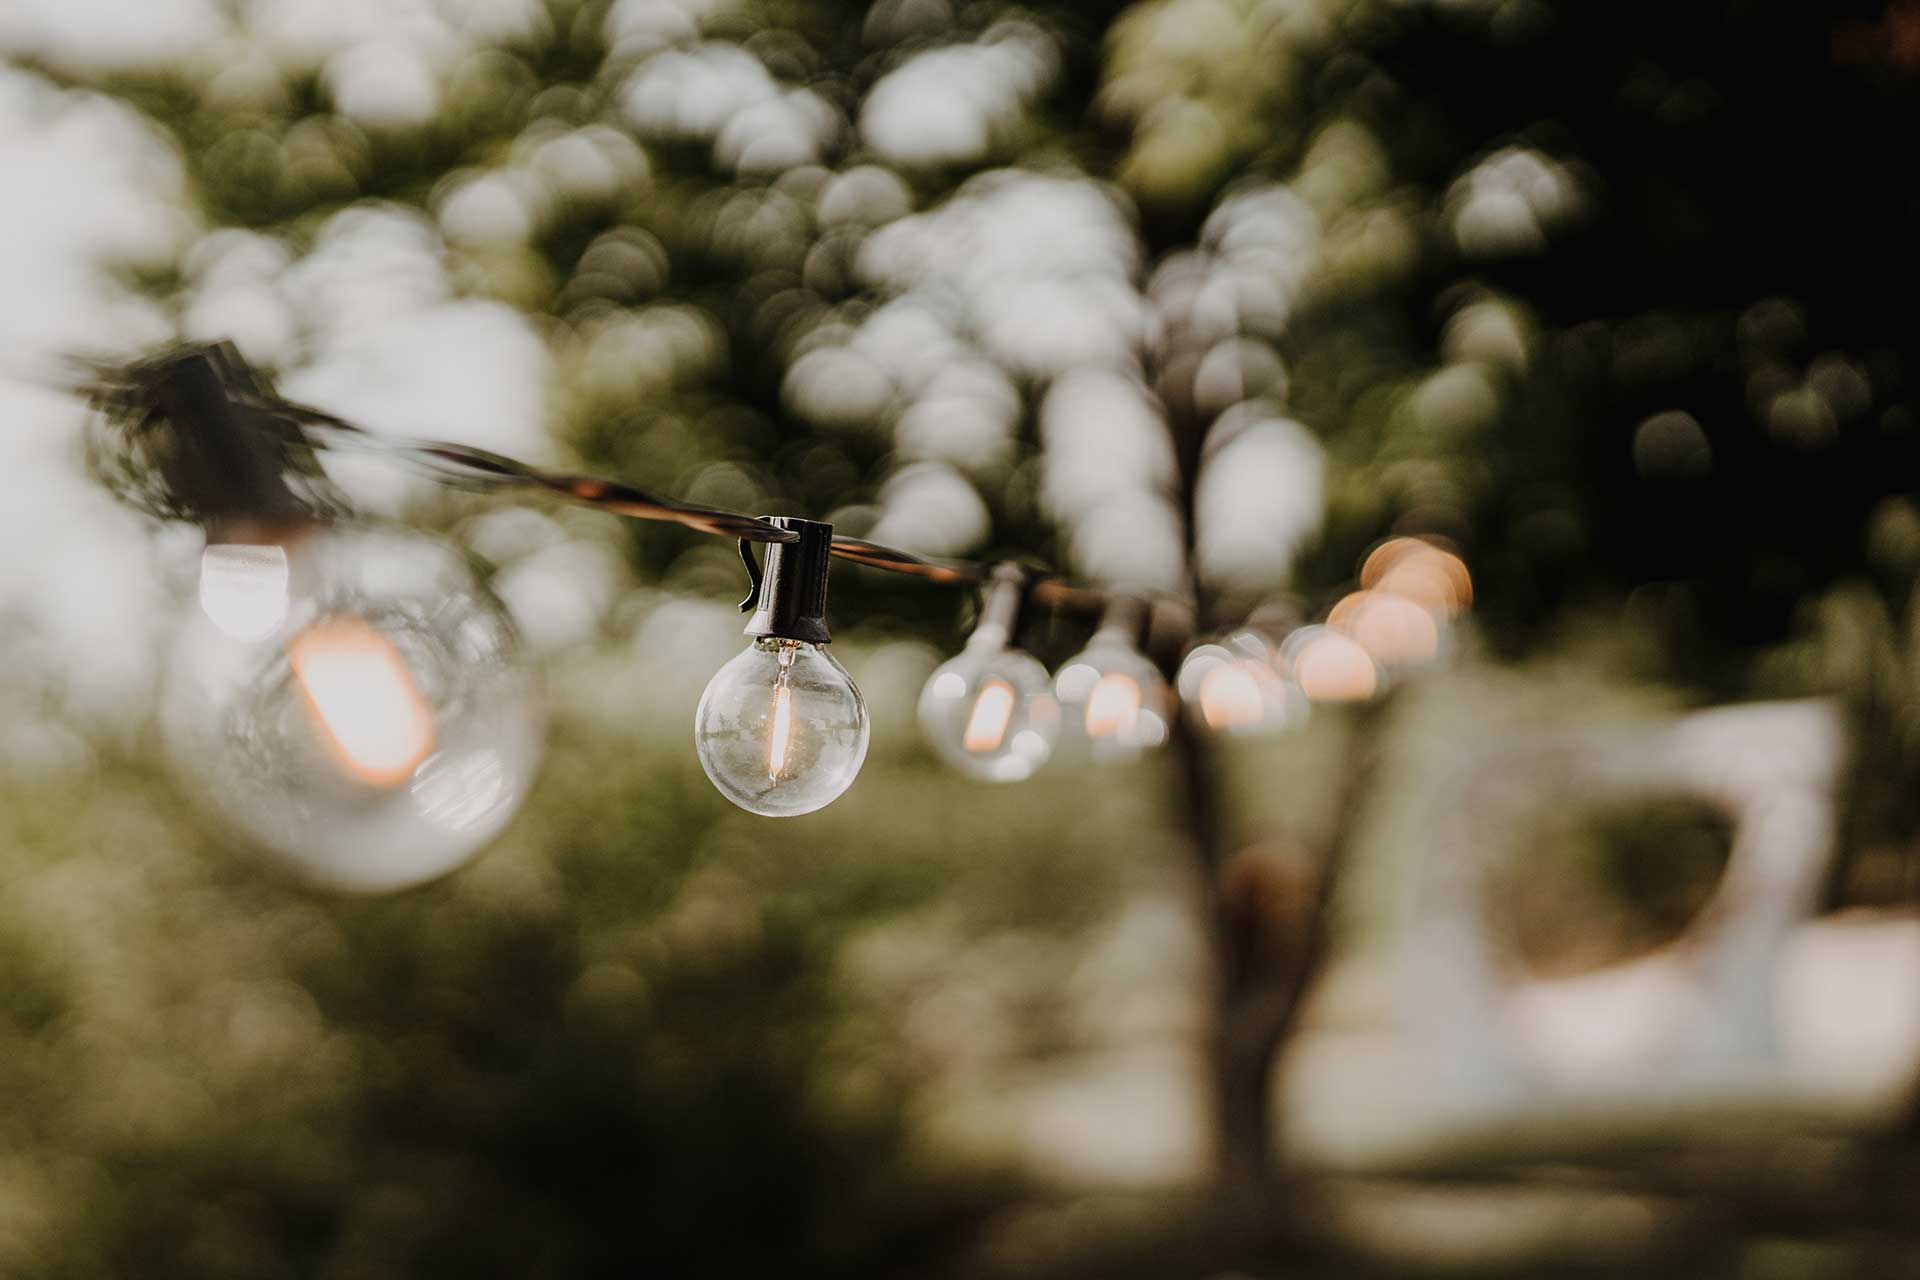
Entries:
{"x":1114,"y":706}
{"x":992,"y":713}
{"x":1421,"y":572}
{"x":363,"y":699}
{"x":1332,"y":668}
{"x":1231,"y":696}
{"x":1394,"y":630}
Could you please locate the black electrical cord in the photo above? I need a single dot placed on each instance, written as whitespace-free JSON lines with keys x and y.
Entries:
{"x":478,"y":468}
{"x":133,"y":392}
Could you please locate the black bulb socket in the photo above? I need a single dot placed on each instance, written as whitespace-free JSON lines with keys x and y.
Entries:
{"x":789,"y":600}
{"x":226,"y":466}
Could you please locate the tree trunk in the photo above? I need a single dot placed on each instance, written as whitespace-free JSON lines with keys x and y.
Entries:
{"x":1240,"y":1106}
{"x":1268,"y":947}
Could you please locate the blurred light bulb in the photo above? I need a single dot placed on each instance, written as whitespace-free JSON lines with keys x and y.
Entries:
{"x":1231,"y":697}
{"x":1231,"y":686}
{"x":1114,"y":699}
{"x":990,"y":712}
{"x":352,"y":705}
{"x":781,"y":730}
{"x":1329,"y":666}
{"x":1398,"y":633}
{"x":1418,"y":570}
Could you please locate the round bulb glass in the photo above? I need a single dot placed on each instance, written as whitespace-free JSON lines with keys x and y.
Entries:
{"x":1113,"y":701}
{"x":781,"y":729}
{"x":990,"y":713}
{"x":351,"y":706}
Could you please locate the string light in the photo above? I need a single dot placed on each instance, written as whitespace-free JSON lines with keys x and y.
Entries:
{"x":346,"y":700}
{"x":781,"y":730}
{"x":1112,"y":698}
{"x":349,"y":699}
{"x":1421,"y":571}
{"x":1397,"y":633}
{"x":379,"y":734}
{"x":1329,"y":666}
{"x":989,"y":711}
{"x":1231,"y":686}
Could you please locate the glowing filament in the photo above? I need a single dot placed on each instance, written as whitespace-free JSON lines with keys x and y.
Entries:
{"x":363,"y":699}
{"x":782,"y":732}
{"x":1114,"y":706}
{"x":992,"y":713}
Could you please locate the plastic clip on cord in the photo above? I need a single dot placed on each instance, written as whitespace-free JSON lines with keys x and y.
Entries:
{"x":781,"y":730}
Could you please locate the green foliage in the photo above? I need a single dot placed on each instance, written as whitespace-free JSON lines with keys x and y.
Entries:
{"x":33,"y":995}
{"x":1720,"y":252}
{"x":620,"y":1041}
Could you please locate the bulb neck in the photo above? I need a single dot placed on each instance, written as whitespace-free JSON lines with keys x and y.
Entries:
{"x":1124,"y":622}
{"x":790,"y":600}
{"x":1001,"y":605}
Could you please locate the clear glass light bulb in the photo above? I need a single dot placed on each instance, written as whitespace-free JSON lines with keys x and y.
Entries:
{"x":351,"y":705}
{"x":1114,"y":701}
{"x":781,"y":729}
{"x":990,"y":713}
